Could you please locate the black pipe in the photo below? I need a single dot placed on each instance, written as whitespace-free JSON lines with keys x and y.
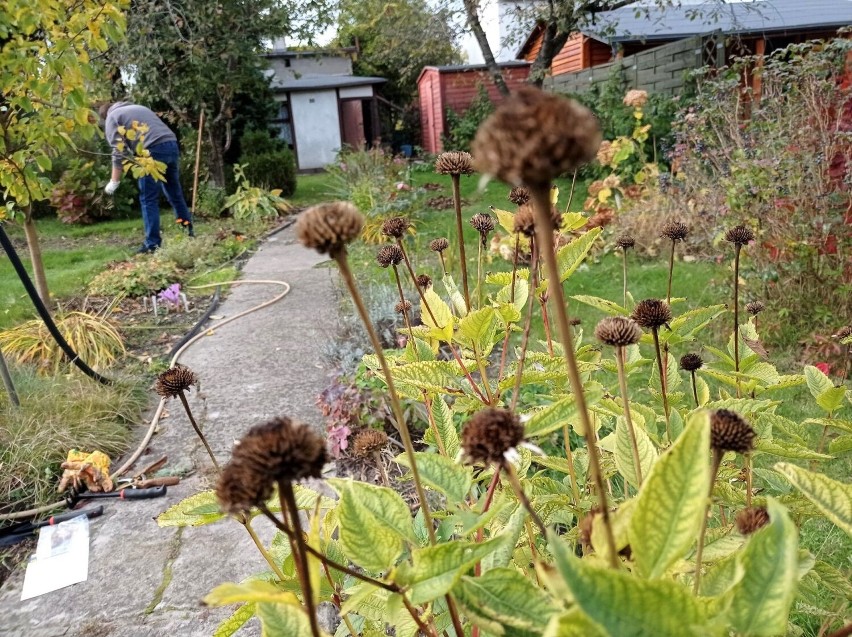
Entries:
{"x":44,"y":314}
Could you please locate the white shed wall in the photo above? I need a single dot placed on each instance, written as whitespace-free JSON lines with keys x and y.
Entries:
{"x":316,"y":121}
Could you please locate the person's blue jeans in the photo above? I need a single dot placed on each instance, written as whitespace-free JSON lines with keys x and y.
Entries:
{"x":150,"y":191}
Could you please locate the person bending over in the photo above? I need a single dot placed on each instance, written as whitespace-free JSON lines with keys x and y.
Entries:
{"x":161,"y":142}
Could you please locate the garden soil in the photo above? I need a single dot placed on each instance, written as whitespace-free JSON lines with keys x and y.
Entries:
{"x":145,"y":581}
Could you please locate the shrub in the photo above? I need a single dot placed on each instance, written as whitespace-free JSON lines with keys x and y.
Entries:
{"x":462,"y":127}
{"x":253,"y":203}
{"x":268,"y":162}
{"x":78,"y":196}
{"x":144,"y":275}
{"x":210,"y":200}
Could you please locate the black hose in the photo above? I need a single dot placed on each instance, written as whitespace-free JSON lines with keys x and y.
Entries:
{"x":44,"y":314}
{"x":213,"y":305}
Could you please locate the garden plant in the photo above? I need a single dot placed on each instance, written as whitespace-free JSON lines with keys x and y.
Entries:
{"x":642,"y":483}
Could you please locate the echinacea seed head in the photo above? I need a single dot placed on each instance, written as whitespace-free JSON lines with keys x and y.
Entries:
{"x":755,"y":307}
{"x":730,"y":432}
{"x":739,"y":235}
{"x":389,"y":255}
{"x":424,"y":281}
{"x":691,"y":362}
{"x":535,"y":136}
{"x":483,"y":223}
{"x":328,"y":227}
{"x":519,"y":195}
{"x":625,"y":242}
{"x":652,"y":313}
{"x":454,"y":162}
{"x":618,"y":331}
{"x":675,"y":231}
{"x":174,"y":381}
{"x":489,"y":434}
{"x":439,"y":245}
{"x":524,"y":220}
{"x":368,"y":441}
{"x":402,"y":307}
{"x":395,"y":227}
{"x":751,"y":519}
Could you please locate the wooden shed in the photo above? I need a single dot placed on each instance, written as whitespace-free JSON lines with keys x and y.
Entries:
{"x":579,"y":52}
{"x":454,"y":87}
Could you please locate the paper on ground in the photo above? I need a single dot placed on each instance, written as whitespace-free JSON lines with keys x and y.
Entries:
{"x":61,"y":558}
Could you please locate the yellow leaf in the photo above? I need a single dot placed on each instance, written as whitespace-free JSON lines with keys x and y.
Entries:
{"x":604,"y":194}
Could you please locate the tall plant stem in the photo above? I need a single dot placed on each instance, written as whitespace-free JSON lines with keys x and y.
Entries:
{"x":569,"y":456}
{"x":737,"y":248}
{"x":624,"y":275}
{"x":479,"y":273}
{"x":544,"y":239}
{"x":545,"y":319}
{"x":694,"y":388}
{"x":525,"y":339}
{"x":433,"y":425}
{"x":663,"y":383}
{"x":290,"y":509}
{"x":460,"y":232}
{"x":246,"y":522}
{"x":748,"y":476}
{"x":671,"y":272}
{"x":198,"y":431}
{"x":699,"y":552}
{"x":489,"y":498}
{"x":483,"y":373}
{"x":634,"y":446}
{"x":443,"y":265}
{"x":512,"y":300}
{"x":509,"y":469}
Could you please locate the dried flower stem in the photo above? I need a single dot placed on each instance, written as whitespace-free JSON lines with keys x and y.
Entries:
{"x":699,"y":552}
{"x":433,"y":425}
{"x":509,"y":469}
{"x":749,"y":482}
{"x":662,"y":372}
{"x":246,"y":522}
{"x":544,"y":237}
{"x":404,"y":311}
{"x":460,"y":231}
{"x":624,"y":268}
{"x":198,"y":431}
{"x":525,"y":339}
{"x":671,"y":272}
{"x":737,"y":248}
{"x":694,"y":388}
{"x":546,"y":321}
{"x":489,"y":498}
{"x":512,"y":300}
{"x":634,"y":446}
{"x":290,"y":509}
{"x":479,"y":274}
{"x":443,"y":265}
{"x":569,"y":456}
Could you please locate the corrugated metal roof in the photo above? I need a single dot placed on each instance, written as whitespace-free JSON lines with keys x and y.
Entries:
{"x":738,"y":17}
{"x":317,"y":82}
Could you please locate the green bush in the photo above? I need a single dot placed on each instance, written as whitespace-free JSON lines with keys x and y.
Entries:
{"x":268,"y":162}
{"x":142,"y":276}
{"x":462,"y":127}
{"x":210,"y":200}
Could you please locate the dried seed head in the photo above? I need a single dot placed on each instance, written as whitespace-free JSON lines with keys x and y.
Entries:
{"x":389,"y":255}
{"x":395,"y":227}
{"x":490,"y":433}
{"x":454,"y":162}
{"x":402,"y":306}
{"x":328,"y":227}
{"x":574,"y":322}
{"x":367,"y":441}
{"x":729,"y":432}
{"x":275,"y":451}
{"x":174,"y":381}
{"x":691,"y":362}
{"x":439,"y":245}
{"x":618,"y":331}
{"x":755,"y":307}
{"x":675,"y":231}
{"x":652,"y":313}
{"x":424,"y":281}
{"x":586,"y":525}
{"x":751,"y":519}
{"x":524,"y":221}
{"x":483,"y":223}
{"x":534,"y":136}
{"x":739,"y":235}
{"x":625,"y":242}
{"x":519,"y":195}
{"x":843,"y":333}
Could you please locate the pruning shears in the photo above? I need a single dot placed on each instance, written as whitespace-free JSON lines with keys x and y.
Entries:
{"x":20,"y":532}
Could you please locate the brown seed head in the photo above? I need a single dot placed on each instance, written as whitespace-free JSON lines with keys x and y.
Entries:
{"x":691,"y":362}
{"x":395,"y":227}
{"x":490,"y":433}
{"x":524,"y":220}
{"x":389,"y":255}
{"x":368,"y":441}
{"x":483,"y":223}
{"x":574,"y":322}
{"x":652,"y":313}
{"x":843,"y":333}
{"x":618,"y":331}
{"x":755,"y":307}
{"x":751,"y":519}
{"x":625,"y":242}
{"x":534,"y":136}
{"x":402,"y":306}
{"x":439,"y":245}
{"x":586,"y":525}
{"x":454,"y":162}
{"x":729,"y":432}
{"x":424,"y":281}
{"x":328,"y":227}
{"x":519,"y":195}
{"x":739,"y":235}
{"x":174,"y":381}
{"x":675,"y":231}
{"x":275,"y":451}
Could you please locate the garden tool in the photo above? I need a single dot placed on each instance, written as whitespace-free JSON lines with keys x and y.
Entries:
{"x":74,"y":496}
{"x":20,"y":532}
{"x":145,"y":483}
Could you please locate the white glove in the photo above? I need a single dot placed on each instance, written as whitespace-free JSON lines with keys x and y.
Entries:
{"x":111,"y":187}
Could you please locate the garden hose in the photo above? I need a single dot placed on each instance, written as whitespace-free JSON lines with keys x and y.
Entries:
{"x":44,"y":314}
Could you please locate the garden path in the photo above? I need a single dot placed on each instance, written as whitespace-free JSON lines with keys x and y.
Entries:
{"x":145,"y":581}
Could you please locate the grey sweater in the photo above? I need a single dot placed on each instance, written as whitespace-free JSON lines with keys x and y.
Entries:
{"x":124,"y":114}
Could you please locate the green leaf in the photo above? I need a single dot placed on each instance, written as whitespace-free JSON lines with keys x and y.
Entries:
{"x":573,"y":624}
{"x":505,"y":597}
{"x":817,"y":381}
{"x":249,"y":591}
{"x":832,"y":498}
{"x":608,"y":307}
{"x":456,"y":297}
{"x":784,"y":449}
{"x":836,"y":423}
{"x":477,"y":331}
{"x":522,"y":292}
{"x":840,"y":445}
{"x":672,"y":501}
{"x":431,"y":376}
{"x":832,"y":399}
{"x":443,"y":418}
{"x":761,"y":600}
{"x":688,"y":323}
{"x":510,"y":534}
{"x":442,"y":325}
{"x":570,"y":256}
{"x":236,"y":621}
{"x":375,"y":522}
{"x":442,"y":474}
{"x":282,"y":619}
{"x":624,"y":452}
{"x":557,"y":414}
{"x":196,"y":510}
{"x":626,"y":606}
{"x":436,"y":569}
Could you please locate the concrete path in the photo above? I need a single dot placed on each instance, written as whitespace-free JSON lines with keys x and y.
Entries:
{"x":145,"y":581}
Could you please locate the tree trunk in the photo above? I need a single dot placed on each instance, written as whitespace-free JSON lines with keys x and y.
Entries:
{"x":472,"y":13}
{"x":216,"y":135}
{"x":36,"y":259}
{"x":552,"y":42}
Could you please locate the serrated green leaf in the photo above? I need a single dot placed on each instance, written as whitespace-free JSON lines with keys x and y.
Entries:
{"x":840,"y":445}
{"x":722,"y":576}
{"x":832,"y":399}
{"x":510,"y":534}
{"x":366,"y":600}
{"x":703,"y":390}
{"x":672,"y":501}
{"x":624,"y":452}
{"x":688,"y":323}
{"x":505,"y":597}
{"x":761,"y":600}
{"x":522,"y":292}
{"x":557,"y":414}
{"x":506,"y":219}
{"x":570,"y":256}
{"x":836,"y":423}
{"x":817,"y":381}
{"x":249,"y":591}
{"x":742,"y":406}
{"x":430,"y":376}
{"x":764,"y":373}
{"x":784,"y":449}
{"x":375,"y":524}
{"x":442,"y":416}
{"x":477,"y":331}
{"x":278,"y":620}
{"x":455,"y":295}
{"x":573,"y":624}
{"x":832,"y":498}
{"x":608,"y":307}
{"x":442,"y":324}
{"x":235,"y":621}
{"x":442,"y":474}
{"x":196,"y":510}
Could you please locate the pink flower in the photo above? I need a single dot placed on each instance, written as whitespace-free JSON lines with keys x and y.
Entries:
{"x":338,"y":438}
{"x":401,"y":185}
{"x":823,"y":367}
